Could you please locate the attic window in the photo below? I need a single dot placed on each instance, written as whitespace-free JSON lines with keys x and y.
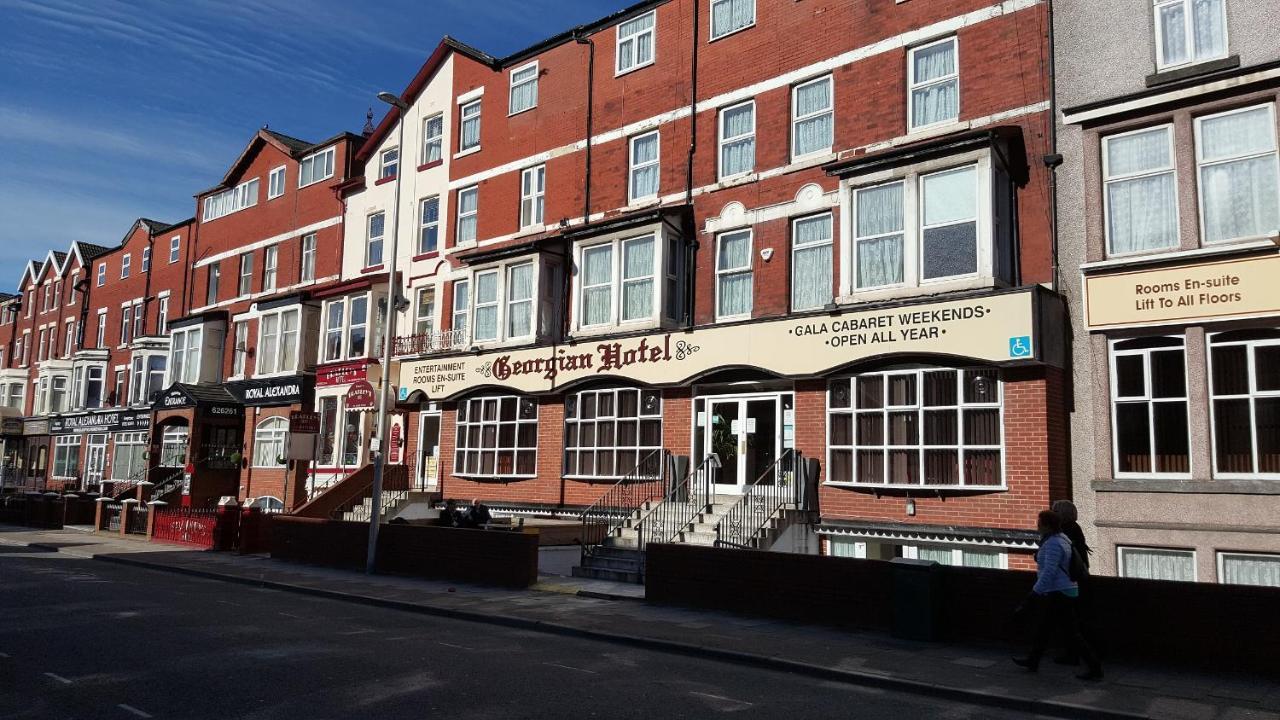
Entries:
{"x":242,"y":196}
{"x":315,"y":168}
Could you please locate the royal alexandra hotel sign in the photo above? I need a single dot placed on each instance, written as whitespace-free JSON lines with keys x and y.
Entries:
{"x":998,"y":328}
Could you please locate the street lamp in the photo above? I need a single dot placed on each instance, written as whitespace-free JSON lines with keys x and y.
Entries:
{"x":384,"y":385}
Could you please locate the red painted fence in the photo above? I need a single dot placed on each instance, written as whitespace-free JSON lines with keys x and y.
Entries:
{"x":189,"y":526}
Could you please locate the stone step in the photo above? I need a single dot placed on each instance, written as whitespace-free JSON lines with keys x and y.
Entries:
{"x":615,"y":563}
{"x":634,"y":578}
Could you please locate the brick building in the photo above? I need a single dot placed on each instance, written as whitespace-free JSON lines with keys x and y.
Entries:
{"x":625,"y":241}
{"x":1169,"y":212}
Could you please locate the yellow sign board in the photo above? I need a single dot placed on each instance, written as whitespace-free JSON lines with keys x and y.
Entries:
{"x":1219,"y":290}
{"x":998,"y":328}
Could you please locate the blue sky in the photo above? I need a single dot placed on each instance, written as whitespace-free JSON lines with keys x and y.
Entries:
{"x":115,"y":109}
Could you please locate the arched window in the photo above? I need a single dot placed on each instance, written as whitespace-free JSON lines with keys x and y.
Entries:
{"x":269,"y":441}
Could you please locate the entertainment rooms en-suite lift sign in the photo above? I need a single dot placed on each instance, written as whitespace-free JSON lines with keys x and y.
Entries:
{"x":997,"y":328}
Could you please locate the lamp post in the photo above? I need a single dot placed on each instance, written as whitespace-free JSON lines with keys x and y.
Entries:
{"x":384,"y":386}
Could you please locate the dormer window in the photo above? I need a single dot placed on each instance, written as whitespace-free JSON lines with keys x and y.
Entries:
{"x":244,"y":195}
{"x":314,"y":168}
{"x":1189,"y":32}
{"x":278,"y":337}
{"x":627,"y":280}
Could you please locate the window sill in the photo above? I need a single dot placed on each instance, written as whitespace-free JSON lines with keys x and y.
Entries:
{"x":468,"y":151}
{"x":921,"y":490}
{"x":928,"y":132}
{"x":1183,"y":72}
{"x":494,"y":478}
{"x":1173,"y":255}
{"x":385,"y":180}
{"x":619,"y":73}
{"x":926,"y":289}
{"x":372,"y":269}
{"x":1200,"y":486}
{"x":736,"y":180}
{"x":521,"y":112}
{"x":426,"y":255}
{"x":432,"y":164}
{"x":731,"y":32}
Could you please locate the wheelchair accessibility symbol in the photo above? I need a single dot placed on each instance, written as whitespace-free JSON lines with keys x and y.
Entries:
{"x":1020,"y":347}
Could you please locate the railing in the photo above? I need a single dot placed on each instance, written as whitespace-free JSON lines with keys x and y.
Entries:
{"x":779,"y":485}
{"x":218,"y":457}
{"x":111,"y":512}
{"x":428,"y":343}
{"x":167,"y":485}
{"x":135,"y":518}
{"x":648,"y":481}
{"x":191,"y":526}
{"x":395,"y":488}
{"x":681,"y":505}
{"x":121,"y":488}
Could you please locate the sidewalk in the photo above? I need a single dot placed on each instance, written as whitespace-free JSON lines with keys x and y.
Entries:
{"x":970,"y":674}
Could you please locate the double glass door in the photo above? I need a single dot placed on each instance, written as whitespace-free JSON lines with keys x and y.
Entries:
{"x":746,"y":434}
{"x":95,"y":460}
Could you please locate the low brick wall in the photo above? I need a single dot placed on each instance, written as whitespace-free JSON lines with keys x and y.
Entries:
{"x":1193,"y":624}
{"x":490,"y":557}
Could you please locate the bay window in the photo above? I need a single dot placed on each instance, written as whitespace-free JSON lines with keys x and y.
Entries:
{"x":270,"y":440}
{"x":90,"y":395}
{"x":1141,"y":195}
{"x":1189,"y":31}
{"x":812,"y":118}
{"x":643,"y":176}
{"x":609,"y":434}
{"x":486,"y":306}
{"x":147,"y":379}
{"x":1244,"y":389}
{"x":334,"y":318}
{"x":811,"y":262}
{"x":1149,"y":407}
{"x":733,"y":275}
{"x":66,"y":456}
{"x":346,"y":328}
{"x":1147,"y":563}
{"x":278,"y":342}
{"x":497,"y":436}
{"x":533,"y":187}
{"x":618,"y":281}
{"x":931,"y":427}
{"x":933,"y":95}
{"x":59,"y":400}
{"x":184,"y":355}
{"x":373,"y":239}
{"x":738,"y":139}
{"x":519,"y":306}
{"x":1239,"y":174}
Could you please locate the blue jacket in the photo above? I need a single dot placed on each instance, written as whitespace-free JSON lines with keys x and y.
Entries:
{"x":1053,"y":565}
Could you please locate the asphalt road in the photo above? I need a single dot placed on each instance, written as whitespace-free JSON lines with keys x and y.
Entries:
{"x":85,"y":639}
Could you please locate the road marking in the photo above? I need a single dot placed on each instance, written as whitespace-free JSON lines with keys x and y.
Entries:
{"x":357,"y":632}
{"x":722,"y":703}
{"x":570,"y":667}
{"x":233,"y":604}
{"x":59,"y":678}
{"x":290,"y":615}
{"x":460,"y":647}
{"x":134,"y":710}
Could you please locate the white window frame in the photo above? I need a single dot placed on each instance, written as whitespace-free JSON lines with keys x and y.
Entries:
{"x":175,"y":249}
{"x":920,"y":447}
{"x":102,"y":280}
{"x":213,"y":278}
{"x":270,"y":267}
{"x":328,"y":330}
{"x":428,"y":226}
{"x":461,"y":299}
{"x":574,"y":423}
{"x":324,"y":156}
{"x":1107,"y":180}
{"x":275,"y":431}
{"x":1224,"y":554}
{"x":1188,"y":18}
{"x":126,"y":262}
{"x":126,"y":325}
{"x":174,"y":446}
{"x":1253,"y":395}
{"x":796,"y":119}
{"x":1121,"y":549}
{"x":100,"y":340}
{"x":424,"y":323}
{"x":240,"y":349}
{"x":307,"y":271}
{"x":139,"y":320}
{"x":513,"y":84}
{"x":370,"y":239}
{"x":472,"y":215}
{"x":533,"y":189}
{"x":1150,"y":402}
{"x":721,"y":140}
{"x":711,"y":23}
{"x":275,"y":182}
{"x":495,"y":303}
{"x":389,"y":163}
{"x":188,"y":343}
{"x":912,"y":551}
{"x":146,"y":259}
{"x":69,"y":347}
{"x":268,"y":364}
{"x":913,"y":85}
{"x":631,"y":54}
{"x":162,"y":316}
{"x":508,"y":302}
{"x":462,"y":445}
{"x":244,"y":281}
{"x":748,"y":269}
{"x":231,"y":200}
{"x":346,"y":311}
{"x":795,"y":248}
{"x":1201,"y":164}
{"x":430,"y":139}
{"x":465,"y":115}
{"x":633,"y":167}
{"x":66,"y":452}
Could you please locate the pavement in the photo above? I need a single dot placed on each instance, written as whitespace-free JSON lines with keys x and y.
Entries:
{"x":612,"y":613}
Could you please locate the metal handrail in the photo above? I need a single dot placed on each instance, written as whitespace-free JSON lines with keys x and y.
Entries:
{"x":120,"y":488}
{"x":620,"y":503}
{"x":167,"y":485}
{"x":777,"y":486}
{"x":429,"y":343}
{"x":683,"y":502}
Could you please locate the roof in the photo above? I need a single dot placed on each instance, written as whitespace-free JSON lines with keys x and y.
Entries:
{"x":291,"y":146}
{"x":6,"y":297}
{"x":293,"y":143}
{"x":89,"y":251}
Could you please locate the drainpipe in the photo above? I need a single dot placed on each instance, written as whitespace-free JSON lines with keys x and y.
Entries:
{"x":1053,"y":160}
{"x":580,"y":37}
{"x":691,"y":241}
{"x":146,"y":286}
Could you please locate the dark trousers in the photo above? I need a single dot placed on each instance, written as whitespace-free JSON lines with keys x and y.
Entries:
{"x":1059,"y":615}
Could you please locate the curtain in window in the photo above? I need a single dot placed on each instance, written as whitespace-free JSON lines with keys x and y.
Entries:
{"x":524,"y":95}
{"x":1207,"y":19}
{"x":1142,"y":211}
{"x":637,"y":276}
{"x":520,"y":305}
{"x":268,"y":442}
{"x":486,"y":327}
{"x":880,"y":218}
{"x":1239,"y":197}
{"x":735,"y":287}
{"x":813,"y":134}
{"x":1152,"y":564}
{"x":937,"y":102}
{"x":811,"y":275}
{"x":1173,"y":33}
{"x":730,"y":15}
{"x":644,"y":180}
{"x":738,"y":156}
{"x":597,"y":274}
{"x":434,"y":129}
{"x":471,"y":130}
{"x":981,"y":558}
{"x":289,"y":341}
{"x":942,"y":556}
{"x":1251,"y":570}
{"x":467,"y":205}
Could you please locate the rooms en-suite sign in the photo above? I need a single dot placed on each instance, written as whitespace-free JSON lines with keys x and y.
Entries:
{"x":997,"y":328}
{"x":1237,"y":288}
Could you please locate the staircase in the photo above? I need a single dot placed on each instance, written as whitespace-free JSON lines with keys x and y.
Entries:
{"x":767,"y":507}
{"x":609,"y":549}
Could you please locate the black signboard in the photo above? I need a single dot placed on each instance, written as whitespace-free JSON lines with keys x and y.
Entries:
{"x":212,"y":400}
{"x":107,"y":421}
{"x":288,"y":390}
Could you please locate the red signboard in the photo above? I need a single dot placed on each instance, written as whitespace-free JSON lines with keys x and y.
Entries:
{"x":342,"y":374}
{"x":304,"y":422}
{"x":393,"y":454}
{"x":361,"y":396}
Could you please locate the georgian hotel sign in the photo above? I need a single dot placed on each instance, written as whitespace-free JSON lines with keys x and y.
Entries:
{"x":995,"y":328}
{"x":1220,"y":290}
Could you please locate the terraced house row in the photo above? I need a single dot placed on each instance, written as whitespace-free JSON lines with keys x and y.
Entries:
{"x":768,"y":274}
